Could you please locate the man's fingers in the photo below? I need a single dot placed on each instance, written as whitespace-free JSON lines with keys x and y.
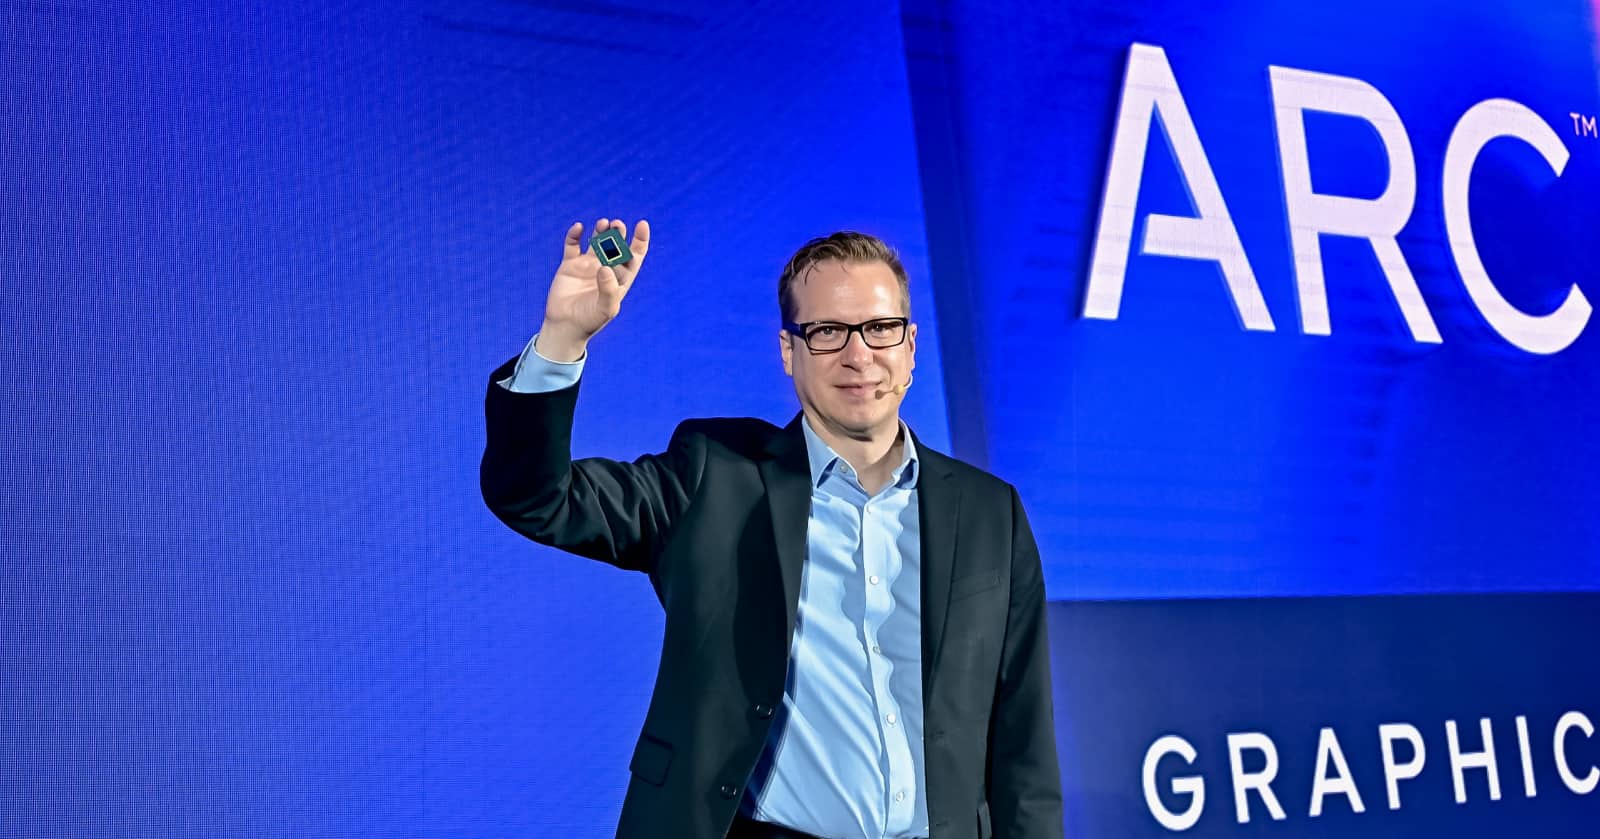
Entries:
{"x":573,"y":246}
{"x":641,"y":240}
{"x":639,"y":245}
{"x":610,"y":288}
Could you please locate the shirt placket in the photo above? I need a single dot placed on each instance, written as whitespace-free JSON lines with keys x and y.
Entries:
{"x":880,"y":567}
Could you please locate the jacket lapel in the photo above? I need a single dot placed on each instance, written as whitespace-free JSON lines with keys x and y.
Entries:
{"x":939,"y":506}
{"x":787,"y":476}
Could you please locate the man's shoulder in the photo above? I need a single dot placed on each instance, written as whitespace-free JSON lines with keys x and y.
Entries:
{"x":967,"y":474}
{"x":754,"y":439}
{"x":746,"y":436}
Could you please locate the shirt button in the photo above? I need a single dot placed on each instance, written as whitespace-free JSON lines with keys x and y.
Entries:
{"x":900,"y":796}
{"x":873,"y":579}
{"x":891,"y":718}
{"x":877,"y":649}
{"x":727,"y":790}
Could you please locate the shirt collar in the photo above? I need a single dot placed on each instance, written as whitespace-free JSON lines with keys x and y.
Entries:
{"x":823,"y":459}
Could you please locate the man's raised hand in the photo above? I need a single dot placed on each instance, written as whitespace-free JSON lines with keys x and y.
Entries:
{"x":585,"y":295}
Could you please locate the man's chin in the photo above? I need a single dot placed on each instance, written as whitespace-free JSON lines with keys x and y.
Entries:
{"x":859,"y":425}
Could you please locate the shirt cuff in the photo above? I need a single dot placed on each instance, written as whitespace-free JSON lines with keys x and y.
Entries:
{"x":537,"y":374}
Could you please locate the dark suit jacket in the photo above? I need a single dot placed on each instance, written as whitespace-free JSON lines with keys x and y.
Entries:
{"x":718,"y":522}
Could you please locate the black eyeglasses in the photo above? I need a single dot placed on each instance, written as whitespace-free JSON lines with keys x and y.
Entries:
{"x":826,"y":336}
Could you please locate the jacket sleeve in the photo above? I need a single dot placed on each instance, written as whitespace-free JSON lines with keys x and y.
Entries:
{"x":1024,"y":779}
{"x":608,"y":510}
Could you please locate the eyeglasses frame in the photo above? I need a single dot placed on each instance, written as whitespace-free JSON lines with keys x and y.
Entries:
{"x":799,"y":329}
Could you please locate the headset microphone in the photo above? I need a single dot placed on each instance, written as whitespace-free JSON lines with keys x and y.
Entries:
{"x":900,"y":390}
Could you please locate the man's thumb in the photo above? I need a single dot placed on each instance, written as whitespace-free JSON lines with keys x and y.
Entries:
{"x":610,"y":289}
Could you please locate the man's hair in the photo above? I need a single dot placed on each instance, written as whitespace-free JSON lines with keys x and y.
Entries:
{"x":846,"y":246}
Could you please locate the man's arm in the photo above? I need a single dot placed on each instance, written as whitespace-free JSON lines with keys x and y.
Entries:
{"x":1024,"y":778}
{"x":602,"y":509}
{"x":533,"y":373}
{"x":614,"y":512}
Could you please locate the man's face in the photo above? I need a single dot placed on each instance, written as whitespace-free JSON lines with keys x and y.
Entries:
{"x":848,"y":392}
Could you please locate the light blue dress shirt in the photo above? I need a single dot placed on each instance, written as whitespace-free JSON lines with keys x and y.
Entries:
{"x":536,"y":374}
{"x":845,"y":756}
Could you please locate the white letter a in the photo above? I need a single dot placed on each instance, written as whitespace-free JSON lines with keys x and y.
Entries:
{"x":1148,"y":89}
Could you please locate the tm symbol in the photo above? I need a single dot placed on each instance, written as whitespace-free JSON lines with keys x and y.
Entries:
{"x":1584,"y":126}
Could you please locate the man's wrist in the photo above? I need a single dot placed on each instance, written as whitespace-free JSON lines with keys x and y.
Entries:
{"x":559,"y":345}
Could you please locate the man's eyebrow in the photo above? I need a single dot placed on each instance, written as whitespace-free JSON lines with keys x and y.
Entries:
{"x":869,"y":319}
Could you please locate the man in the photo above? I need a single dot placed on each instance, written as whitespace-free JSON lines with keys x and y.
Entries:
{"x":855,"y":640}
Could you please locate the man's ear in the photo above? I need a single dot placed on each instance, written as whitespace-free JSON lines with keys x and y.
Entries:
{"x":786,"y":352}
{"x":911,"y":344}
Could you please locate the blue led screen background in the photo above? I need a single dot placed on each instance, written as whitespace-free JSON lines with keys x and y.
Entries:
{"x":261,"y":258}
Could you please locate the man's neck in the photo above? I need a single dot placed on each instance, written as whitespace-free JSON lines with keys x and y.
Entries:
{"x":874,"y":458}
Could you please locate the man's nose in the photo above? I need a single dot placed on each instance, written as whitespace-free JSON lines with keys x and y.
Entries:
{"x":856,"y":352}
